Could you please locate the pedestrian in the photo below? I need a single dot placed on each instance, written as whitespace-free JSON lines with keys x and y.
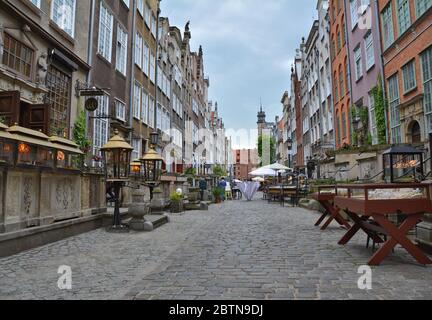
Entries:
{"x":203,"y":187}
{"x":222,"y":185}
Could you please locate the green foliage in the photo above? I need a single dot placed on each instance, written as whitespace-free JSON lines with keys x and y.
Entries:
{"x":380,"y":110}
{"x":2,"y":120}
{"x":369,"y":139}
{"x":175,"y":197}
{"x":190,"y":171}
{"x":219,"y":171}
{"x":217,"y":192}
{"x":355,"y":138}
{"x":266,"y":140}
{"x":80,"y":132}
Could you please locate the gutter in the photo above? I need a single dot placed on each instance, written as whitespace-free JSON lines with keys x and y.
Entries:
{"x":132,"y":71}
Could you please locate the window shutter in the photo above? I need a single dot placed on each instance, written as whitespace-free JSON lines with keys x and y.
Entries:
{"x":9,"y":106}
{"x":37,"y":117}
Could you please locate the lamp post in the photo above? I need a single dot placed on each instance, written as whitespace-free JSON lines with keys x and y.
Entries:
{"x":116,"y":154}
{"x":152,"y":165}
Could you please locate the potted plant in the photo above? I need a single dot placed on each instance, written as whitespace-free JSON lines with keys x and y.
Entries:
{"x":217,"y":194}
{"x":176,"y":202}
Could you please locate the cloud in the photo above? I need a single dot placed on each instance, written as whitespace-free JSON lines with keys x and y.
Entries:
{"x":248,"y":46}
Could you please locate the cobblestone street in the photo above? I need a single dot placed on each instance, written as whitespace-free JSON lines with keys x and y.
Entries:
{"x":237,"y":250}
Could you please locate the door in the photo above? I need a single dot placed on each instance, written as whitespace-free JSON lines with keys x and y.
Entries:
{"x":9,"y":107}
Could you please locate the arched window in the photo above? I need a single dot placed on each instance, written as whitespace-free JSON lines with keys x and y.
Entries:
{"x":336,"y":88}
{"x":341,"y":81}
{"x":344,"y":123}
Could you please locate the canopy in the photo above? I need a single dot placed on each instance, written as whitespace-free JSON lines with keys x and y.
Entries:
{"x":277,"y":167}
{"x":263,"y":172}
{"x":258,"y":179}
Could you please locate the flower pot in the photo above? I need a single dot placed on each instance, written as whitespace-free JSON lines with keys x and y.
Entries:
{"x":176,"y":206}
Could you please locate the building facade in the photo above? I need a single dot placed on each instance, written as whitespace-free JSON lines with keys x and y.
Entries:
{"x":340,"y":73}
{"x":406,"y":35}
{"x":245,"y":161}
{"x":364,"y":47}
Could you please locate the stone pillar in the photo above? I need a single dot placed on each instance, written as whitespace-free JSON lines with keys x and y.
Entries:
{"x":138,"y":209}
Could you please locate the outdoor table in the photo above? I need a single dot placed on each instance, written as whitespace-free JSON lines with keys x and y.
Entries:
{"x":361,"y":208}
{"x":326,"y":199}
{"x":281,"y":192}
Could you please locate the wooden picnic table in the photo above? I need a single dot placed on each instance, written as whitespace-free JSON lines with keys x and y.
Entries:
{"x":281,"y":192}
{"x":372,"y":216}
{"x":326,"y":199}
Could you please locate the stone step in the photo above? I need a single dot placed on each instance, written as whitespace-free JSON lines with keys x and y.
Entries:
{"x":156,"y":220}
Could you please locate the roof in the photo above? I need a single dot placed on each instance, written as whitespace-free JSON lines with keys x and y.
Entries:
{"x":403,"y":149}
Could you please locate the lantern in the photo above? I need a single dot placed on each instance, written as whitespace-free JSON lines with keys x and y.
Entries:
{"x":403,"y":163}
{"x":6,"y":145}
{"x":151,"y":167}
{"x":116,"y":154}
{"x":135,"y":170}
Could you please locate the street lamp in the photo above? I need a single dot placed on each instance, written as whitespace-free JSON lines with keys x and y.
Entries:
{"x":290,"y":145}
{"x":116,"y":154}
{"x":152,"y":165}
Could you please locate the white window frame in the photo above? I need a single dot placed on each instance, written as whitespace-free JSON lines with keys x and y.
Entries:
{"x":122,"y":50}
{"x":145,"y":106}
{"x":105,"y":30}
{"x":36,"y":3}
{"x":120,"y":109}
{"x":387,"y":25}
{"x":358,"y":65}
{"x":136,"y":112}
{"x":354,"y":13}
{"x":369,"y":50}
{"x":408,"y":70}
{"x":146,"y":58}
{"x":101,"y":125}
{"x":139,"y":49}
{"x":73,"y":16}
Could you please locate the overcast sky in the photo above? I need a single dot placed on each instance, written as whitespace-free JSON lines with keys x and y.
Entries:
{"x":248,"y":46}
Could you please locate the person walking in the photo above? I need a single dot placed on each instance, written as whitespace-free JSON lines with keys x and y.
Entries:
{"x":203,"y":187}
{"x":222,"y":185}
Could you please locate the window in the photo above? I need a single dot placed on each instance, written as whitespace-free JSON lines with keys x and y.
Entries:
{"x":394,"y":109}
{"x":336,"y":94}
{"x":136,"y":153}
{"x":137,"y":101}
{"x":159,"y":117}
{"x":338,"y":129}
{"x":421,"y":6}
{"x":358,"y":63}
{"x":364,"y":5}
{"x":36,"y":3}
{"x":63,"y":14}
{"x":153,"y":26}
{"x":339,"y":44}
{"x":341,"y":83}
{"x":17,"y":56}
{"x":140,"y":7}
{"x":387,"y":25}
{"x":147,"y":17}
{"x":105,"y":33}
{"x":122,"y":41}
{"x":370,"y":54}
{"x":347,"y":76}
{"x":372,"y":117}
{"x":59,"y":85}
{"x":403,"y":15}
{"x":354,"y":13}
{"x":146,"y":58}
{"x":138,"y":50}
{"x":152,"y":67}
{"x":145,"y":107}
{"x":426,"y":60}
{"x":100,"y":126}
{"x":344,"y":125}
{"x":126,"y":3}
{"x":120,"y":109}
{"x":409,"y":77}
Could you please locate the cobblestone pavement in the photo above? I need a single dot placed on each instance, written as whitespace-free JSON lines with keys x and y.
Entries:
{"x":237,"y":250}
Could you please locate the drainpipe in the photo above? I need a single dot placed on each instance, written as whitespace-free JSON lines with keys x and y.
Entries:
{"x":90,"y":52}
{"x":157,"y":64}
{"x":132,"y":72}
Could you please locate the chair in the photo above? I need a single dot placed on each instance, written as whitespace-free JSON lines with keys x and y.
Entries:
{"x":228,"y":192}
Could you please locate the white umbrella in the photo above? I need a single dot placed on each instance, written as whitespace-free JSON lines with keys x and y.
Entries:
{"x":277,"y":167}
{"x":258,"y":179}
{"x":237,"y":181}
{"x":263,"y":172}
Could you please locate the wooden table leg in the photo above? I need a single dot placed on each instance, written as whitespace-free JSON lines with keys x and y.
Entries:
{"x":398,"y":235}
{"x":334,"y":215}
{"x":321,"y":219}
{"x":358,"y":221}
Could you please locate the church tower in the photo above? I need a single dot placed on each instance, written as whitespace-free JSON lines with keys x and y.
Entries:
{"x":261,"y":121}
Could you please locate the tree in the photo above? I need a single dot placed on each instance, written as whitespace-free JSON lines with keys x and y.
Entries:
{"x":265,"y":141}
{"x":219,"y":171}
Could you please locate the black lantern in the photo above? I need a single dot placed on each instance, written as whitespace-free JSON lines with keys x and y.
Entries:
{"x":154,"y":139}
{"x":116,"y":154}
{"x":151,"y":168}
{"x":403,"y":164}
{"x":290,"y":144}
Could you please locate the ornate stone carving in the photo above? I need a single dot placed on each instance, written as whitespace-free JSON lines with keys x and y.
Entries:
{"x":27,"y":195}
{"x":65,"y":193}
{"x":42,"y":69}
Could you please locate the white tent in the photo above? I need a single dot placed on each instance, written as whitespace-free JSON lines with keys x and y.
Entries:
{"x":263,"y":172}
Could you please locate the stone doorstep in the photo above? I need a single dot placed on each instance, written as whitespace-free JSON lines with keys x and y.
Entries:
{"x":156,"y":220}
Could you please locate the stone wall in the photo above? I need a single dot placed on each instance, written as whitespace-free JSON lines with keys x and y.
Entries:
{"x":34,"y":197}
